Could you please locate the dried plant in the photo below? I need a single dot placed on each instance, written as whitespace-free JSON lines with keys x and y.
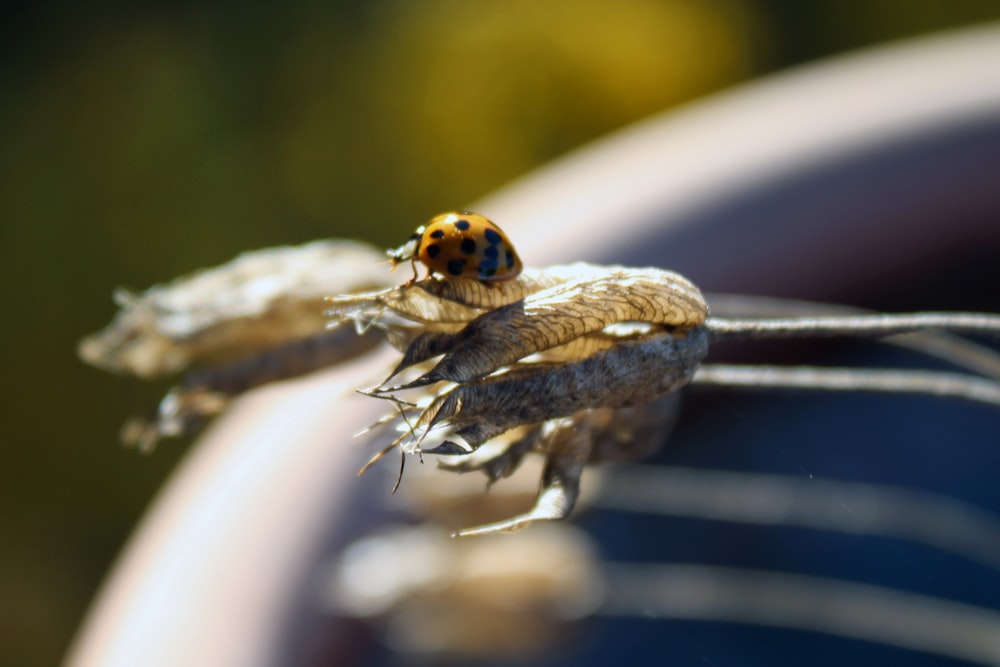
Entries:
{"x":575,"y":365}
{"x":569,"y":362}
{"x":254,"y":320}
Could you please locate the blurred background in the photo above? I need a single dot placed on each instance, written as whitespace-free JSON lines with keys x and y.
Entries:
{"x":140,"y":141}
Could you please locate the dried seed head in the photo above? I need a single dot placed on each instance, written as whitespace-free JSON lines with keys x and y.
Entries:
{"x":257,"y":319}
{"x":549,"y":353}
{"x":258,"y":300}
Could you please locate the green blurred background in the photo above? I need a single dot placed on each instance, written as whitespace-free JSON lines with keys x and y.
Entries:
{"x":139,"y":141}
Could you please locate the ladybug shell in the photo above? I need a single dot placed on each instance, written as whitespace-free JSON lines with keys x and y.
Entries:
{"x":467,"y":245}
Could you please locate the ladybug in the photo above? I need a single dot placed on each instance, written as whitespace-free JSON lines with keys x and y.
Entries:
{"x":460,"y":245}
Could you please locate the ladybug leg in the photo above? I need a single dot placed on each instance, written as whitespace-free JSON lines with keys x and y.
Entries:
{"x":413,"y":264}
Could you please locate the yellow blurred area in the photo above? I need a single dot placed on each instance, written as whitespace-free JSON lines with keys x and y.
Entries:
{"x":454,"y":98}
{"x":473,"y":94}
{"x":138,"y":142}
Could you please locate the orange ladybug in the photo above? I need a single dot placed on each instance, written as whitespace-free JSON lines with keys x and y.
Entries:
{"x":460,"y":245}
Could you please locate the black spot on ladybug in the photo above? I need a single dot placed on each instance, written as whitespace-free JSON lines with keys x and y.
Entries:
{"x":437,"y":234}
{"x":468,"y":246}
{"x":433,"y":250}
{"x":510,"y":259}
{"x":456,"y":267}
{"x":487,"y":269}
{"x":492,"y":237}
{"x":491,"y":252}
{"x":462,"y":225}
